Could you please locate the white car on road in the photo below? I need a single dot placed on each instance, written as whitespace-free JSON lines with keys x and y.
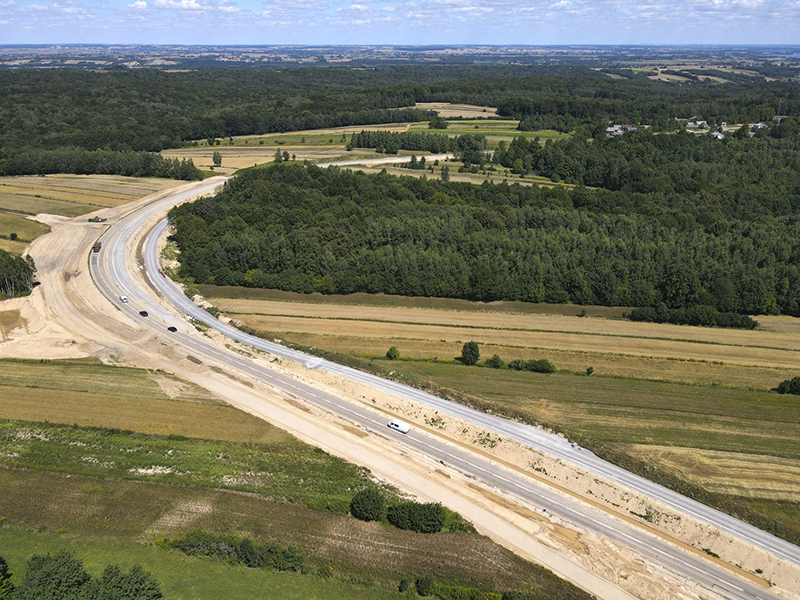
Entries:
{"x":399,"y":425}
{"x":123,"y":299}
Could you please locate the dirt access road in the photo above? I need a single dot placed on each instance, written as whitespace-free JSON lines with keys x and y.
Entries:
{"x":70,"y":297}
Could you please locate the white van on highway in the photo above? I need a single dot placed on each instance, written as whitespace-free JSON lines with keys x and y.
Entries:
{"x":123,"y":299}
{"x":399,"y":425}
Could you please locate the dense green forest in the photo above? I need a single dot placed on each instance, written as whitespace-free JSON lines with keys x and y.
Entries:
{"x":334,"y":231}
{"x":681,"y":176}
{"x":100,"y":162}
{"x":152,"y":110}
{"x":16,"y":274}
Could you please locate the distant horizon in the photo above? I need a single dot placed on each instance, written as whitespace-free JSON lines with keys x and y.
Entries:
{"x":387,"y":45}
{"x":401,"y":22}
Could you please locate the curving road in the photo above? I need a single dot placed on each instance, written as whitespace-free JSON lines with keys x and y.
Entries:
{"x":111,"y":271}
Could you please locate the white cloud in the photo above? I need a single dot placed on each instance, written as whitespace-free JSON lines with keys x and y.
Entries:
{"x":180,"y":4}
{"x":7,"y":4}
{"x":138,"y":5}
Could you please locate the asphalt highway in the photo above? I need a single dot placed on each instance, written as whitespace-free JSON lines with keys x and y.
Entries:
{"x":110,"y":269}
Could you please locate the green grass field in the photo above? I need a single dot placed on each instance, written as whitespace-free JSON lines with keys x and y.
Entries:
{"x":26,"y":230}
{"x":621,"y":411}
{"x":145,"y":512}
{"x":182,"y":577}
{"x":288,"y":471}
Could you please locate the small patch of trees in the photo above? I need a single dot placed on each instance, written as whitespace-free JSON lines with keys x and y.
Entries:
{"x":16,"y":274}
{"x":438,"y":122}
{"x":216,"y":158}
{"x":417,"y":165}
{"x":470,"y":354}
{"x":789,"y":386}
{"x":393,"y":353}
{"x":6,"y":586}
{"x":370,"y":505}
{"x":62,"y":576}
{"x":238,"y":550}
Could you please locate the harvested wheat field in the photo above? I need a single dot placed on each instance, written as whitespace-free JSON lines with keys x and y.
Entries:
{"x":87,"y":392}
{"x":73,"y":195}
{"x":771,"y":349}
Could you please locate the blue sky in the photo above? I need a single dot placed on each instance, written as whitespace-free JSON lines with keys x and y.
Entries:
{"x":531,"y":22}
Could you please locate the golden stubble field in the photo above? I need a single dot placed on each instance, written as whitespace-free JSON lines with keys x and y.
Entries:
{"x":88,"y":393}
{"x":775,"y":348}
{"x":73,"y":195}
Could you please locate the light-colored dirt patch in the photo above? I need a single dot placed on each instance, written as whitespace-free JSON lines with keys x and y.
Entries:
{"x":9,"y":321}
{"x":29,"y":334}
{"x":728,"y":472}
{"x":179,"y":517}
{"x":173,"y":388}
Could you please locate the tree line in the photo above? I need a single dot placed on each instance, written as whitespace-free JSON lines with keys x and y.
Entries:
{"x":96,"y":162}
{"x":335,"y":231}
{"x":236,"y":550}
{"x":62,"y":576}
{"x":16,"y":274}
{"x":469,"y":149}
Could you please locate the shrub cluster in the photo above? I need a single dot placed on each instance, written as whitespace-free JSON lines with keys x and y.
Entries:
{"x":789,"y":386}
{"x":236,"y":550}
{"x":413,"y":516}
{"x":368,"y":505}
{"x":537,"y":366}
{"x":495,"y":362}
{"x":706,"y":316}
{"x":455,"y":592}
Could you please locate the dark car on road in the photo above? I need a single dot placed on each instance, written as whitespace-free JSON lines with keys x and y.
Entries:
{"x":172,"y":329}
{"x":143,"y":313}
